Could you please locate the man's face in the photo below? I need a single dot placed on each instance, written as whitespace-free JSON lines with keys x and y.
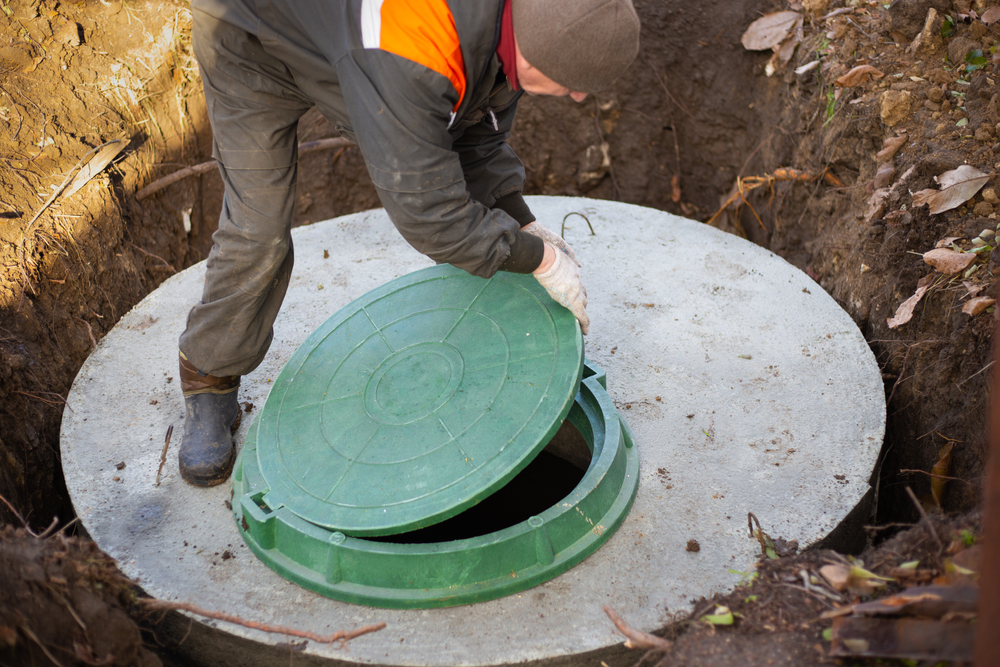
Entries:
{"x":535,"y":83}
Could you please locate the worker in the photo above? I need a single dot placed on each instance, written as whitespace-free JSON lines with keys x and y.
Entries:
{"x":427,"y":89}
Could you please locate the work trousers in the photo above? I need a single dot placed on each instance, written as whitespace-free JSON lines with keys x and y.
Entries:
{"x":254,"y":102}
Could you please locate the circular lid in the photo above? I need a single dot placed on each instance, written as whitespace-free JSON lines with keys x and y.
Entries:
{"x":417,"y":400}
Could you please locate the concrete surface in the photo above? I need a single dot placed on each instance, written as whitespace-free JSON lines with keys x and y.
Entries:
{"x":747,"y":388}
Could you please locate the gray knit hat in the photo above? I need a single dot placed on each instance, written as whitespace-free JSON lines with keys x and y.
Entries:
{"x":581,"y":44}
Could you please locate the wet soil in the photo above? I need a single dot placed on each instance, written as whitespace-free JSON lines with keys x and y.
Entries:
{"x":694,"y":113}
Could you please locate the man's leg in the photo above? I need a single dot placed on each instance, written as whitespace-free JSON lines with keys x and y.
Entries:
{"x":253,"y":106}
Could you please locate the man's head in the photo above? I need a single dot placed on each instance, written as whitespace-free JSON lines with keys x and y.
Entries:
{"x":579,"y":45}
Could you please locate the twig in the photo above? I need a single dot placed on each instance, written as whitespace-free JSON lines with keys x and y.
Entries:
{"x":33,"y":637}
{"x":37,"y":397}
{"x":163,"y":454}
{"x":902,"y":370}
{"x":342,"y":636}
{"x":48,"y":531}
{"x":17,"y":514}
{"x":926,"y":519}
{"x":636,"y":638}
{"x":149,"y":254}
{"x":930,"y":474}
{"x":986,"y":367}
{"x":181,"y":174}
{"x":90,"y":331}
{"x":861,"y":31}
{"x":673,"y":99}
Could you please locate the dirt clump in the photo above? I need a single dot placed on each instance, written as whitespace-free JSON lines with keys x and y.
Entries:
{"x":64,"y":602}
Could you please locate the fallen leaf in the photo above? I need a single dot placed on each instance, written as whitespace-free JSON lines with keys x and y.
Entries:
{"x":97,"y":163}
{"x":770,"y":30}
{"x":884,"y":174}
{"x":947,"y":241}
{"x":948,"y":261}
{"x":721,"y":616}
{"x":876,"y":204}
{"x":977,"y":305}
{"x":905,"y":311}
{"x":991,"y":15}
{"x":942,"y":468}
{"x":808,"y":67}
{"x":957,"y":187}
{"x":857,"y":76}
{"x":971,"y":289}
{"x":857,"y":580}
{"x":890,"y":146}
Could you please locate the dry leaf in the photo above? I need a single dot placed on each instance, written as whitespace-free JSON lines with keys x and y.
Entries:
{"x":948,"y":261}
{"x":770,"y":30}
{"x":876,"y":204}
{"x":905,"y":311}
{"x":890,"y":146}
{"x":100,"y":160}
{"x":941,"y":470}
{"x":972,"y":290}
{"x":991,"y":15}
{"x":977,"y":305}
{"x":808,"y":67}
{"x":957,"y":187}
{"x":858,"y":76}
{"x":947,"y":241}
{"x":787,"y":50}
{"x":884,"y":174}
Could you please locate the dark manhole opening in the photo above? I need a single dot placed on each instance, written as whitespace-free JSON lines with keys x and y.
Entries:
{"x":549,"y":478}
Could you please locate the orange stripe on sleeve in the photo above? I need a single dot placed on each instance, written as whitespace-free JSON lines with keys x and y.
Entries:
{"x":424,"y":31}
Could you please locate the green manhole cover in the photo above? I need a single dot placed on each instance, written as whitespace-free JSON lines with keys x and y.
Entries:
{"x":417,"y":400}
{"x":407,"y":407}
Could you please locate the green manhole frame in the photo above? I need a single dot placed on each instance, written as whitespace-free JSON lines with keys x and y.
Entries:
{"x":443,"y":574}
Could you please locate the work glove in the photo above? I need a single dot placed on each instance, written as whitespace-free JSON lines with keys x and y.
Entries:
{"x":550,"y":237}
{"x":563,"y":283}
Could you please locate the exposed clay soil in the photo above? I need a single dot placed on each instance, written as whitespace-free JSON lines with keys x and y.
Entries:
{"x":694,"y":112}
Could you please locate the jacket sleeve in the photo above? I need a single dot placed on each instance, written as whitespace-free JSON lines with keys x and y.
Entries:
{"x":400,"y":112}
{"x":493,"y":173}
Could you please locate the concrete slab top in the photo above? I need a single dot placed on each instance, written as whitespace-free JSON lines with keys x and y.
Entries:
{"x":747,"y":387}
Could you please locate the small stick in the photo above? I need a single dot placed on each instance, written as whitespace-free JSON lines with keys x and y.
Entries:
{"x":181,"y":174}
{"x":90,"y":331}
{"x":149,"y":254}
{"x":930,"y":474}
{"x":926,"y":519}
{"x":343,"y":636}
{"x":636,"y":638}
{"x":163,"y":454}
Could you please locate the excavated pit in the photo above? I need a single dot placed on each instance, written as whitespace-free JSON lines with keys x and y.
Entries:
{"x":747,"y":388}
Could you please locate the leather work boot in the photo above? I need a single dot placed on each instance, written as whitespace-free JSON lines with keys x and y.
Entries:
{"x":212,"y":415}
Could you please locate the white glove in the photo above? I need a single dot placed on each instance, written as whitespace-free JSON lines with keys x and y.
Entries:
{"x":563,"y":283}
{"x":550,"y":237}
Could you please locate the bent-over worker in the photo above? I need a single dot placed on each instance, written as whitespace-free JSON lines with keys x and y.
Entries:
{"x":428,"y":90}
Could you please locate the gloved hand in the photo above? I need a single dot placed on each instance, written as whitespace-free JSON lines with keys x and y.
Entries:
{"x":547,"y":235}
{"x":561,"y":279}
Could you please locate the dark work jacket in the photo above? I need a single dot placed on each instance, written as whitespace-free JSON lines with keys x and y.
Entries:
{"x":440,"y":163}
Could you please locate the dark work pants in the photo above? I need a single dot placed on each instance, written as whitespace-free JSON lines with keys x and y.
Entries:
{"x":253,"y":104}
